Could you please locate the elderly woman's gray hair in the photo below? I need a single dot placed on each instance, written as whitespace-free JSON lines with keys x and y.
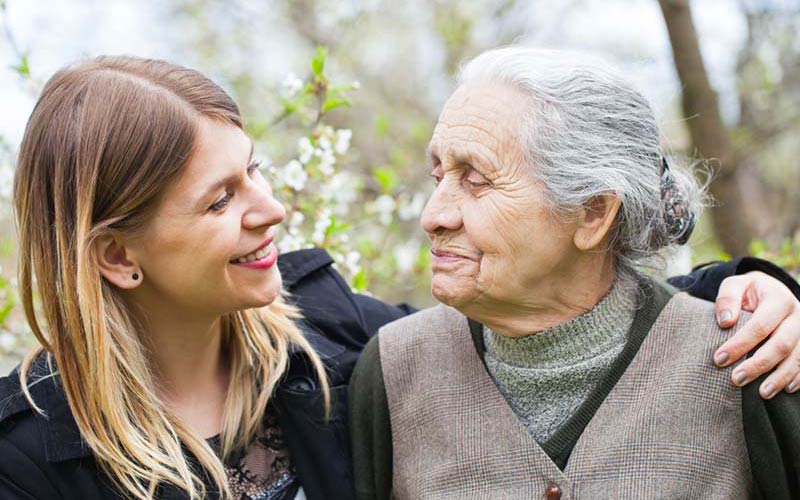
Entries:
{"x":590,"y":132}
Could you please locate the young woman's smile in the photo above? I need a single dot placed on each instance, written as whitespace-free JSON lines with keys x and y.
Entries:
{"x":263,"y":257}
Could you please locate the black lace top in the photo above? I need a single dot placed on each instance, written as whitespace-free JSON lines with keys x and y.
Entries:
{"x":264,"y":471}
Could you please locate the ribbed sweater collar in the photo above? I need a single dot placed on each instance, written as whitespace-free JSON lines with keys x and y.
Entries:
{"x":584,"y":337}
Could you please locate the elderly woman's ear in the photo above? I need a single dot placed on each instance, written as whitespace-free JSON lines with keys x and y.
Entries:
{"x":595,"y":221}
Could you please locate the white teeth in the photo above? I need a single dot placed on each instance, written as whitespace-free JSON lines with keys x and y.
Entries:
{"x":257,"y":255}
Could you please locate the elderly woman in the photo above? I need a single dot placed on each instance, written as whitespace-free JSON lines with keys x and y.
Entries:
{"x":554,"y":368}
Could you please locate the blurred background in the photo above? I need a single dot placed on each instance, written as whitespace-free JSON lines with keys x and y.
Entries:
{"x":341,"y":98}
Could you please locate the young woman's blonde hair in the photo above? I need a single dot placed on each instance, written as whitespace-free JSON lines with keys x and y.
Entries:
{"x":104,"y":139}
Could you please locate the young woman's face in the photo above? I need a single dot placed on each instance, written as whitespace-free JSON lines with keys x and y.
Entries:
{"x":208,"y":247}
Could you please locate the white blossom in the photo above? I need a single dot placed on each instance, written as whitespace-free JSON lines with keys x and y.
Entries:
{"x":325,"y":144}
{"x":341,"y":192}
{"x":327,"y":131}
{"x":322,"y":225}
{"x":295,"y":221}
{"x":351,"y":262}
{"x":305,"y":149}
{"x":405,"y":255}
{"x":294,"y":175}
{"x":412,"y":209}
{"x":291,"y":85}
{"x":276,"y":177}
{"x":7,"y":342}
{"x":289,"y":243}
{"x":343,"y":137}
{"x":384,"y":205}
{"x":355,"y":85}
{"x":326,"y":163}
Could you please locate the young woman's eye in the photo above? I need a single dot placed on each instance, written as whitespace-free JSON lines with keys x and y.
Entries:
{"x":220,"y":204}
{"x":253,"y":167}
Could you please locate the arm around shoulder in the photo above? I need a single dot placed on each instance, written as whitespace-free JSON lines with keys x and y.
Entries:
{"x":771,"y":429}
{"x":705,"y":279}
{"x":370,"y":427}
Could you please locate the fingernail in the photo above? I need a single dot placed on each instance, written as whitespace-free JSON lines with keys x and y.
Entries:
{"x":791,"y":387}
{"x":724,"y":316}
{"x":768,"y":391}
{"x":739,"y":378}
{"x":721,"y":358}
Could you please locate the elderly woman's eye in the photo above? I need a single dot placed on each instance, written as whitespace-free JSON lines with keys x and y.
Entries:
{"x":437,"y":175}
{"x":475,"y":180}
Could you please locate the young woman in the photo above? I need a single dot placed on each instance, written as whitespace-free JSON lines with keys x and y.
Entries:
{"x":170,"y":364}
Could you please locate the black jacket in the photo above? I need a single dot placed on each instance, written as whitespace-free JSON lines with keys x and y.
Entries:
{"x":44,"y":458}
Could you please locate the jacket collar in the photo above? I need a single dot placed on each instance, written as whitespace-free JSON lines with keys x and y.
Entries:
{"x":298,"y":264}
{"x":62,"y":439}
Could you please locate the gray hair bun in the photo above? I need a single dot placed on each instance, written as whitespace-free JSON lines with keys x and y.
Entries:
{"x":679,"y":219}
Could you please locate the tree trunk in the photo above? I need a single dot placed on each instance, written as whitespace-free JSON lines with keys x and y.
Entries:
{"x":735,"y":188}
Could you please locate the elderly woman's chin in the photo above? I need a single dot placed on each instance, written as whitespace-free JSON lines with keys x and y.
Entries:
{"x":454,"y":291}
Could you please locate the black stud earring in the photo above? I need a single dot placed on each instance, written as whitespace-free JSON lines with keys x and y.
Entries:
{"x":135,"y":276}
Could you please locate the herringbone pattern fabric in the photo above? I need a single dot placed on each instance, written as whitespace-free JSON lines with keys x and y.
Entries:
{"x":671,"y":427}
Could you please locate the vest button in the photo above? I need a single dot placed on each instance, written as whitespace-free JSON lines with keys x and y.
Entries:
{"x":552,"y":492}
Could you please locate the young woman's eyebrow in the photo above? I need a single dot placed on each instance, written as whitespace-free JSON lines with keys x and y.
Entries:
{"x":216,"y":186}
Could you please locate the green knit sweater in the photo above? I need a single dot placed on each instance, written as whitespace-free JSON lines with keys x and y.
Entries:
{"x":546,"y":376}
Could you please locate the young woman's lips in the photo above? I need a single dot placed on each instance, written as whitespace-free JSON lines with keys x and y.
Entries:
{"x":264,"y":262}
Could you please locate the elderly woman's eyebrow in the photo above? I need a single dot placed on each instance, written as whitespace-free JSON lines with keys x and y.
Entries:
{"x":431,"y":153}
{"x":477,"y":162}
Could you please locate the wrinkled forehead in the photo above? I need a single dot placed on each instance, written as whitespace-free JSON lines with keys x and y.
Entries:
{"x":479,"y":115}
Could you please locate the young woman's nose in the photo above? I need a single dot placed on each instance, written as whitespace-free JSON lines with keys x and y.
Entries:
{"x":264,"y":209}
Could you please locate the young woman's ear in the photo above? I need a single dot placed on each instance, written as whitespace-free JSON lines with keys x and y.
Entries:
{"x":115,"y":263}
{"x":595,"y":221}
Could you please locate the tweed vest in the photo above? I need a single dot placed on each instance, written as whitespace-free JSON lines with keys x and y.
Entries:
{"x":670,"y":428}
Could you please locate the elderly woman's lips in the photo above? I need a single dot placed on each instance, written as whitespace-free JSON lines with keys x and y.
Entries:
{"x":441,"y":257}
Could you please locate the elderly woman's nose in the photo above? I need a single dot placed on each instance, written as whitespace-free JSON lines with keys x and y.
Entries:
{"x":440,"y":213}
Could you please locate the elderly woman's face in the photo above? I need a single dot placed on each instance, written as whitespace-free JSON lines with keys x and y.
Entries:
{"x":493,"y":239}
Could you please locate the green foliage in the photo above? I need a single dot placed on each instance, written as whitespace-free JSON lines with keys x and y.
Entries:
{"x":360,"y":281}
{"x":7,"y":301}
{"x":22,"y":67}
{"x":387,"y":179}
{"x":382,"y":125}
{"x":785,"y":255}
{"x":332,"y":102}
{"x":335,"y":227}
{"x":318,"y":62}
